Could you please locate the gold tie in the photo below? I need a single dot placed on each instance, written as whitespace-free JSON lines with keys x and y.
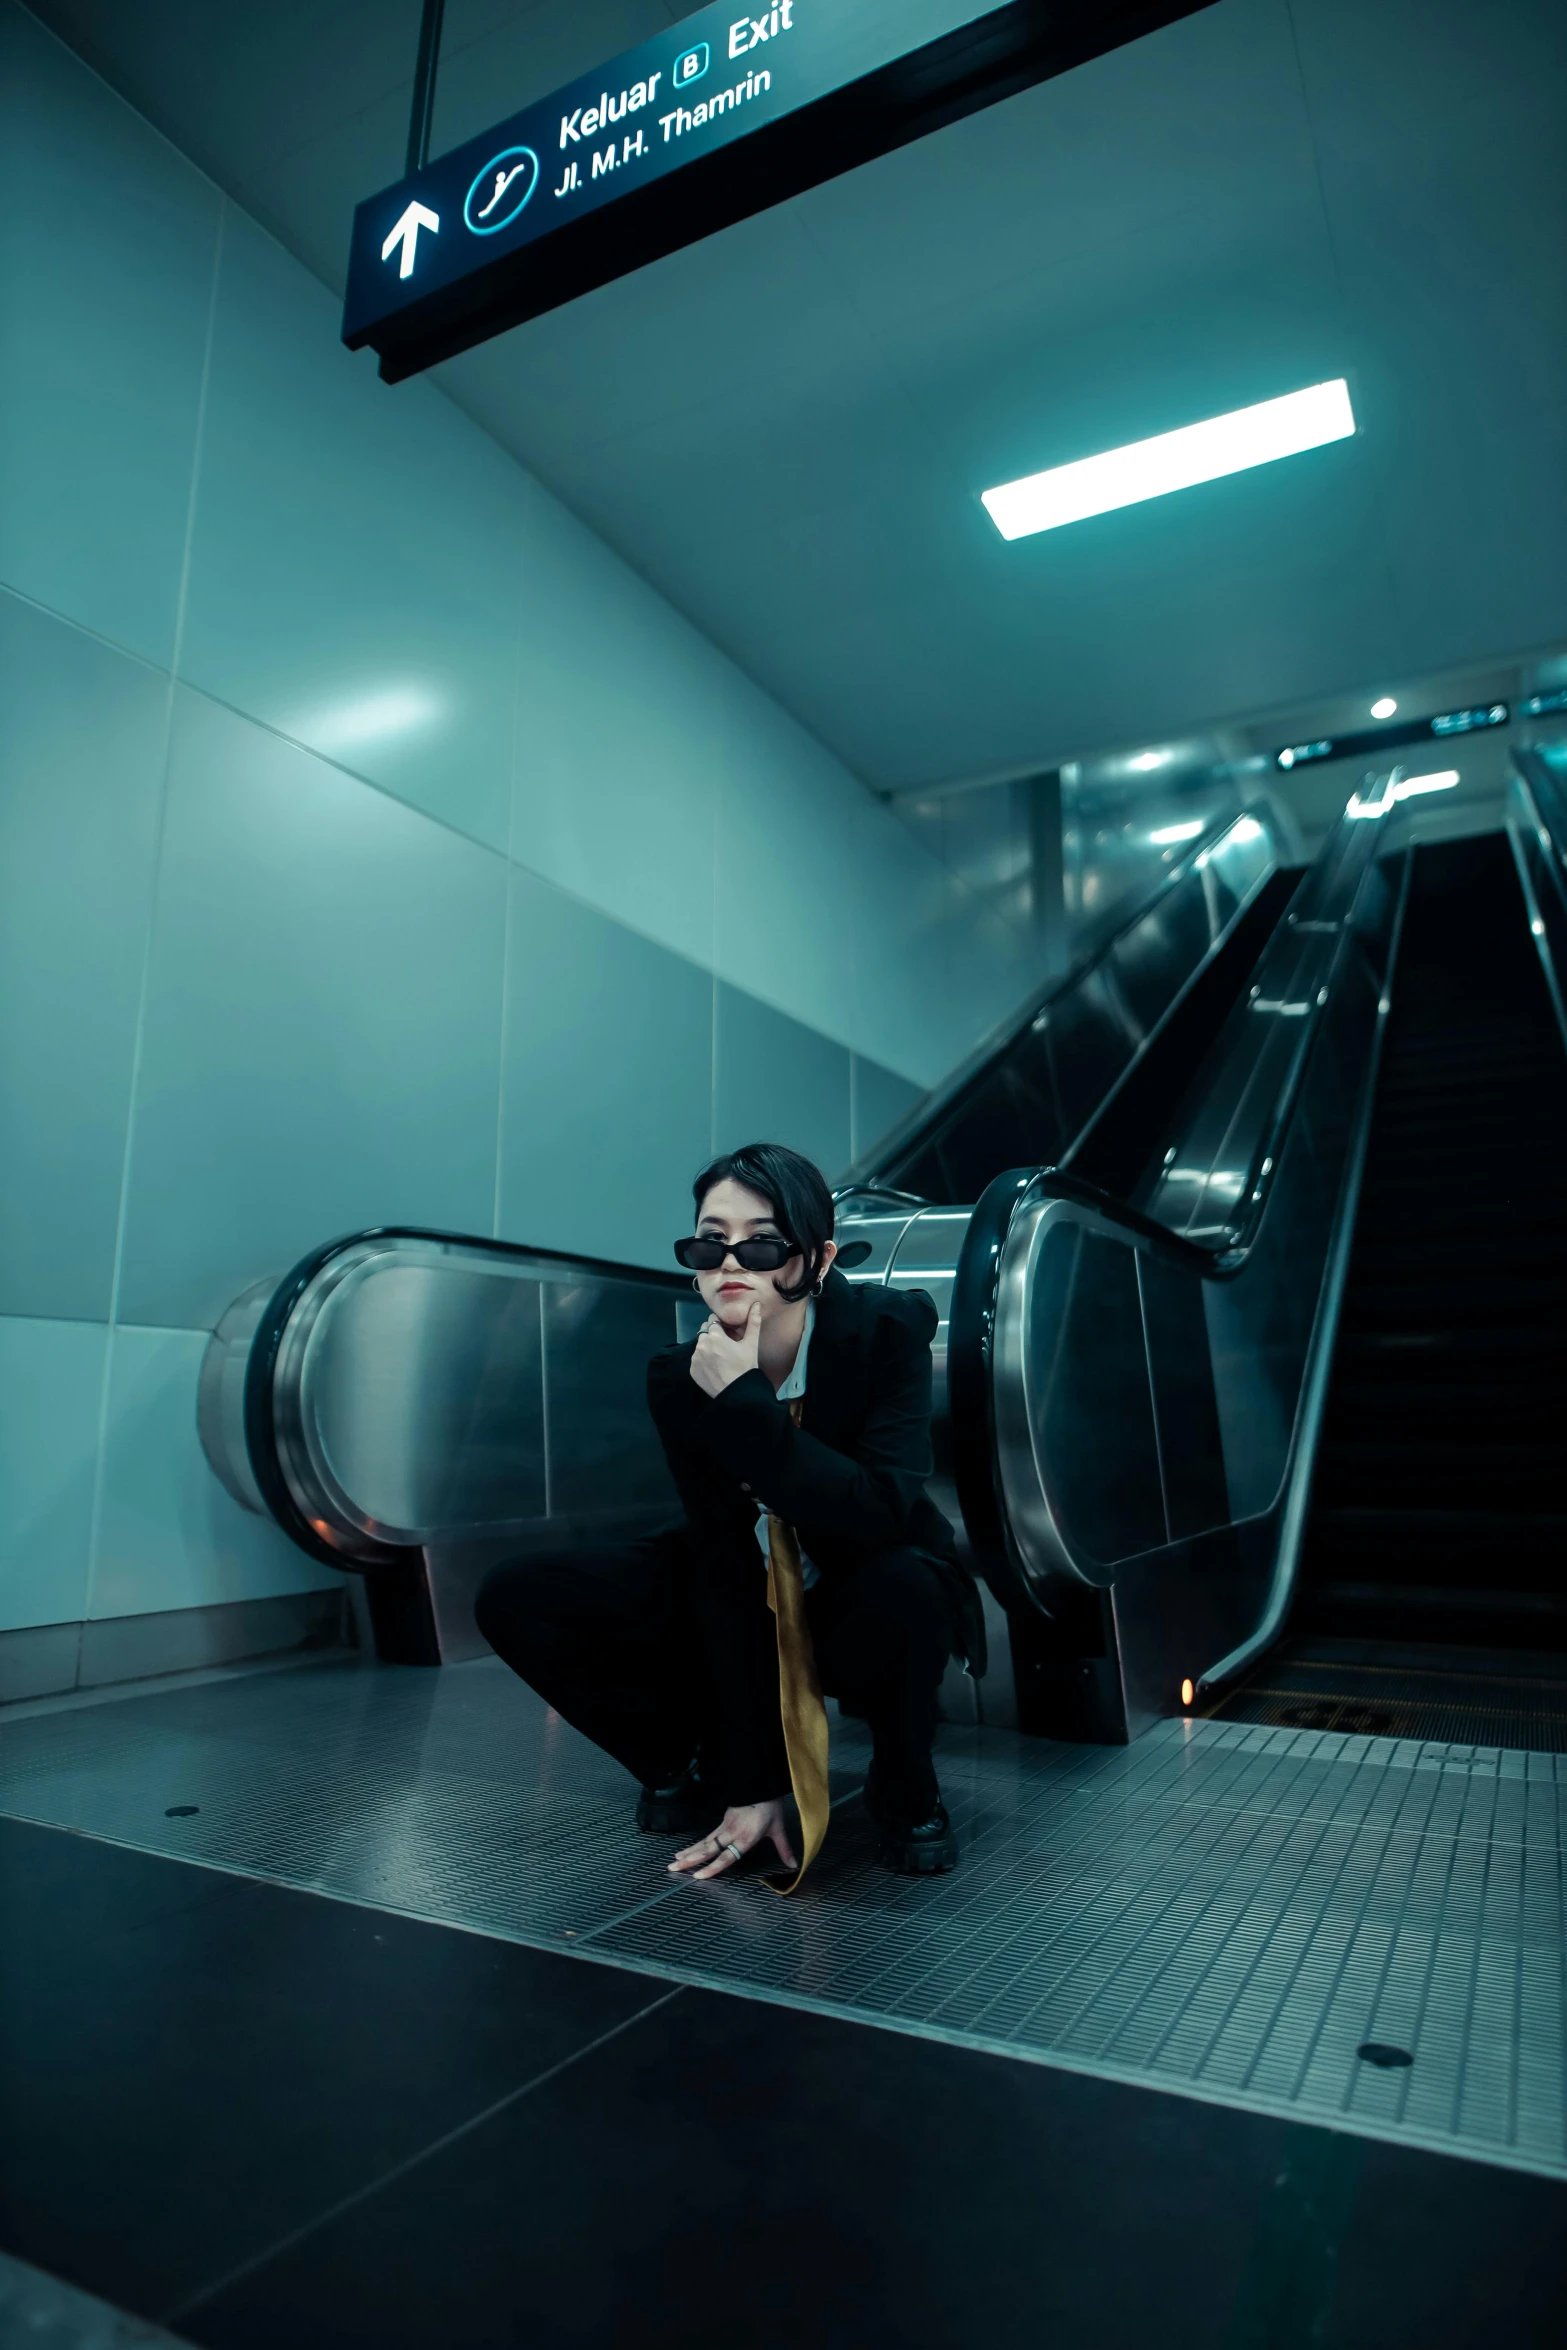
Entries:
{"x":799,"y":1691}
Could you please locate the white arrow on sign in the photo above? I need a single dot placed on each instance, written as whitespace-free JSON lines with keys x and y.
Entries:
{"x":406,"y":234}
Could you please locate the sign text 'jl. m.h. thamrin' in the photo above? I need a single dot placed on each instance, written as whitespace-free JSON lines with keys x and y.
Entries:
{"x":719,"y":117}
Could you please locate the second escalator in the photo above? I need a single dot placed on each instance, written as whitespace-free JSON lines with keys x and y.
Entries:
{"x":1432,"y":1599}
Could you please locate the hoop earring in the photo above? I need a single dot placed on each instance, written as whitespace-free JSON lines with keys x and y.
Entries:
{"x":816,"y":1289}
{"x":696,"y":1285}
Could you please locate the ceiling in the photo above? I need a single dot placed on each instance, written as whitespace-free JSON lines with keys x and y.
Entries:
{"x":786,"y":427}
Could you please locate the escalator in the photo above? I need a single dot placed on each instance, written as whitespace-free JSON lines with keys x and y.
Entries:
{"x":1432,"y":1596}
{"x":1247,"y":1246}
{"x":1098,"y":1063}
{"x":1129,"y":1329}
{"x":409,"y":1405}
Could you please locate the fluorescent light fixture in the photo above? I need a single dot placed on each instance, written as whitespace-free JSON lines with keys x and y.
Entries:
{"x":1175,"y":832}
{"x":1146,"y":761}
{"x":1245,"y":828}
{"x":1384,"y":708}
{"x":1412,"y":785}
{"x":1173,"y":460}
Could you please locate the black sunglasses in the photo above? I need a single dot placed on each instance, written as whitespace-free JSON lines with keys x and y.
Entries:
{"x":703,"y":1254}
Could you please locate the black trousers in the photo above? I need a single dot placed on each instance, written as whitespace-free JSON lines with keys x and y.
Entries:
{"x":611,"y":1640}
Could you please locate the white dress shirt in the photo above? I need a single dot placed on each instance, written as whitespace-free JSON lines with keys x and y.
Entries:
{"x":794,"y":1385}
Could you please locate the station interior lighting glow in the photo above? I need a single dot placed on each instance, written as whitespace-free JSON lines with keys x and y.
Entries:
{"x":1384,"y":708}
{"x":1146,"y":761}
{"x":1177,"y":460}
{"x":1412,"y":786}
{"x":374,"y":718}
{"x":1170,"y":833}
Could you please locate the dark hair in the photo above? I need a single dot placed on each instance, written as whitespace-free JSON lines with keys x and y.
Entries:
{"x":793,"y":1188}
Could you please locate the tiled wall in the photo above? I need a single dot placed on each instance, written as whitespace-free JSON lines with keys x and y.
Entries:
{"x":374,"y":846}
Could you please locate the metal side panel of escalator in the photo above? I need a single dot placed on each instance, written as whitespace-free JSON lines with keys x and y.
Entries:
{"x":410,"y":1406}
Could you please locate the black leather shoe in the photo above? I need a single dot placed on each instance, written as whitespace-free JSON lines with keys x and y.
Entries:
{"x":683,"y":1809}
{"x":912,"y":1848}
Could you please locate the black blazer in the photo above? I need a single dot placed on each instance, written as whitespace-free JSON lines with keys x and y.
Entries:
{"x":850,"y":1479}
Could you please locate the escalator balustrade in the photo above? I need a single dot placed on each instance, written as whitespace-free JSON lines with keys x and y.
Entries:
{"x":1433,"y":1588}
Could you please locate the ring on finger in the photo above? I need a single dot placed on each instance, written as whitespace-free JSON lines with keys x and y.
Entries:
{"x":735,"y":1849}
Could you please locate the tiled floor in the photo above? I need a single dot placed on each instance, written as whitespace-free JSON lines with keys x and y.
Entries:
{"x":1224,"y":1910}
{"x":261,"y":2116}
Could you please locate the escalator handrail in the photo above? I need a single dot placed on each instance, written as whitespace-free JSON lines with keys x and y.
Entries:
{"x":1222,"y":1262}
{"x":1536,"y":798}
{"x":1007,"y":1196}
{"x":944,"y":1096}
{"x":1545,"y":790}
{"x":260,"y":1422}
{"x":1322,"y":1347}
{"x":1194,"y":1256}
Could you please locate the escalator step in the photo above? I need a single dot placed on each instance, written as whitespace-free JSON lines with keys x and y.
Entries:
{"x":1411,"y":1246}
{"x":1474,"y":1524}
{"x":1480,"y":1451}
{"x":1373,"y":1305}
{"x":1492,"y":1618}
{"x":1438,"y":1499}
{"x":1438,"y":1547}
{"x":1447,"y":1410}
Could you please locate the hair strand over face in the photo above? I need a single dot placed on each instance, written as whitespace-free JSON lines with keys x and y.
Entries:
{"x":794,"y":1189}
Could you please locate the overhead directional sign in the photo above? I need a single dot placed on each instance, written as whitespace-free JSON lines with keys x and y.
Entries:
{"x":719,"y":117}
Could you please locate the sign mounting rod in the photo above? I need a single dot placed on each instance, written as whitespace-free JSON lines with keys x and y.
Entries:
{"x":423,"y":114}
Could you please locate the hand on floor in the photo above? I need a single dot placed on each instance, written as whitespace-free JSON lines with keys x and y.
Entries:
{"x":742,"y":1825}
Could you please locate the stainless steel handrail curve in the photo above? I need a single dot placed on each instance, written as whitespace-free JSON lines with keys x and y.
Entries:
{"x":393,"y":1391}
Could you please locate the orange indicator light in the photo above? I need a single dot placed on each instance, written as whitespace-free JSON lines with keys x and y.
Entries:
{"x":1187,"y":1693}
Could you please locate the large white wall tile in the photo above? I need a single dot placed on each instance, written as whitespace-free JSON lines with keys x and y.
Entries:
{"x":899,"y":947}
{"x":609,"y":1085}
{"x":787,"y":887}
{"x":879,"y":1100}
{"x":51,"y":1391}
{"x":169,"y":1535}
{"x":358,"y":552}
{"x":107,"y":239}
{"x":82,"y":732}
{"x":775,"y":1080}
{"x":990,"y":969}
{"x":322,"y":1042}
{"x":619,"y":738}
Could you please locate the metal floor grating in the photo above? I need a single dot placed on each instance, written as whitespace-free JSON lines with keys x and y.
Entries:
{"x":1480,"y":1697}
{"x":1225,"y":1910}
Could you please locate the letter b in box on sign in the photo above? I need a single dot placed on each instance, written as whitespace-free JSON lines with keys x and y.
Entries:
{"x":690,"y":65}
